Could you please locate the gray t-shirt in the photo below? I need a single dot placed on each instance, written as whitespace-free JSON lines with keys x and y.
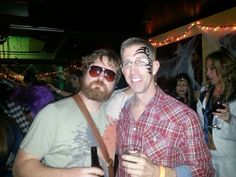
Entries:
{"x":61,"y":137}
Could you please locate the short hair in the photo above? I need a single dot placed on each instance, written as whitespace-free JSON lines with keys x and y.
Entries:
{"x":138,"y":41}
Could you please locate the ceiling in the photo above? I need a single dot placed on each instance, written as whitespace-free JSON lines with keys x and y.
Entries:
{"x":73,"y":28}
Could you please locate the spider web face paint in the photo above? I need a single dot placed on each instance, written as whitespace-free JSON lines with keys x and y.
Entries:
{"x":146,"y":51}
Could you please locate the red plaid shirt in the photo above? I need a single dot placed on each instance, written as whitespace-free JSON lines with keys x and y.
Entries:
{"x":170,"y":134}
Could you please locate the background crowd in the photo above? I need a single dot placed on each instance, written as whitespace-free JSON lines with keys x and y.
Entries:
{"x":181,"y":131}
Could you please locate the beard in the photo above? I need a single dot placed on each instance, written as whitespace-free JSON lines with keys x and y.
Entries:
{"x":95,"y":92}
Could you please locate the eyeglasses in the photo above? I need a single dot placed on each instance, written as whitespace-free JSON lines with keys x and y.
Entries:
{"x":95,"y":71}
{"x":138,"y":62}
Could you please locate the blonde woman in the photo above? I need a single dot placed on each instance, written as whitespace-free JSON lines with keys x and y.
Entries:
{"x":219,"y":124}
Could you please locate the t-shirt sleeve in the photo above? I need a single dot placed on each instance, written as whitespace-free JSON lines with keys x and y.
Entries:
{"x":42,"y":133}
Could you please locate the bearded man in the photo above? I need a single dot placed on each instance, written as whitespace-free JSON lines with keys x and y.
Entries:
{"x":59,"y":140}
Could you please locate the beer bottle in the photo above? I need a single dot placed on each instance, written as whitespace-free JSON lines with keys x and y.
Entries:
{"x":94,"y":158}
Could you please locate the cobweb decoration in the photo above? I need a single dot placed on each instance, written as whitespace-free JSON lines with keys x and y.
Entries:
{"x":229,"y":42}
{"x":179,"y":62}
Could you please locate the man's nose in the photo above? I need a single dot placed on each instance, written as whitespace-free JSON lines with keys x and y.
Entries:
{"x":101,"y":76}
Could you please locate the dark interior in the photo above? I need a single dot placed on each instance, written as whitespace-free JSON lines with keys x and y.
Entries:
{"x":72,"y":28}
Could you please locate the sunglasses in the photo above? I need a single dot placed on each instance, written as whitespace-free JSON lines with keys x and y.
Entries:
{"x":95,"y":71}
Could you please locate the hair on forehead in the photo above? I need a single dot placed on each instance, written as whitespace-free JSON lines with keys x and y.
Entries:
{"x":113,"y":60}
{"x":100,"y":53}
{"x":183,"y":77}
{"x":138,"y":41}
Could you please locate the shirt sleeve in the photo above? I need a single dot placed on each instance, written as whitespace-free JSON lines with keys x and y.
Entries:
{"x":183,"y":171}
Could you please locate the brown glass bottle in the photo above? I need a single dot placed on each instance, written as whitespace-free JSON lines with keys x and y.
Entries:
{"x":94,"y":158}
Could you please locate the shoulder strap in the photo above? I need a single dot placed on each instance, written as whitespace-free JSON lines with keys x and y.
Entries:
{"x":96,"y":133}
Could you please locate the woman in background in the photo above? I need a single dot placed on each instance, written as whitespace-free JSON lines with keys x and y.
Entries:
{"x":219,"y":123}
{"x":183,"y":90}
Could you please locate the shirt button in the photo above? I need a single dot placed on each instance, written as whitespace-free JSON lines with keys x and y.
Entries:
{"x":134,"y":129}
{"x":154,"y":139}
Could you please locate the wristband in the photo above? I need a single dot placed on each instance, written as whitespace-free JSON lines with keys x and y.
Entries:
{"x":162,"y":171}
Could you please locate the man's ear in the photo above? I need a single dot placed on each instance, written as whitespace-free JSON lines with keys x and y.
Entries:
{"x":156,"y":66}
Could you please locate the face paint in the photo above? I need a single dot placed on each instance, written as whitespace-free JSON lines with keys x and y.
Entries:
{"x":146,"y":52}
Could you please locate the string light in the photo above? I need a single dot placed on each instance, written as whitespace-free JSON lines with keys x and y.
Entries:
{"x":183,"y":35}
{"x":8,"y":74}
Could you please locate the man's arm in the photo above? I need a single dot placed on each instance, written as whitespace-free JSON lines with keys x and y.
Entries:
{"x":26,"y":165}
{"x":180,"y":171}
{"x":183,"y":171}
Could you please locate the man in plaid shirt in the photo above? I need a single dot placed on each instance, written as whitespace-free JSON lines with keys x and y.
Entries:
{"x":169,"y":132}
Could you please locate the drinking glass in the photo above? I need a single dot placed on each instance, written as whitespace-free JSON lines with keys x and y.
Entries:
{"x":218,"y":105}
{"x":132,"y":149}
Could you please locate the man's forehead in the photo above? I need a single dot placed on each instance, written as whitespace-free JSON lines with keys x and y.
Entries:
{"x":135,"y":48}
{"x":101,"y":60}
{"x":135,"y":57}
{"x":135,"y":54}
{"x":104,"y":62}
